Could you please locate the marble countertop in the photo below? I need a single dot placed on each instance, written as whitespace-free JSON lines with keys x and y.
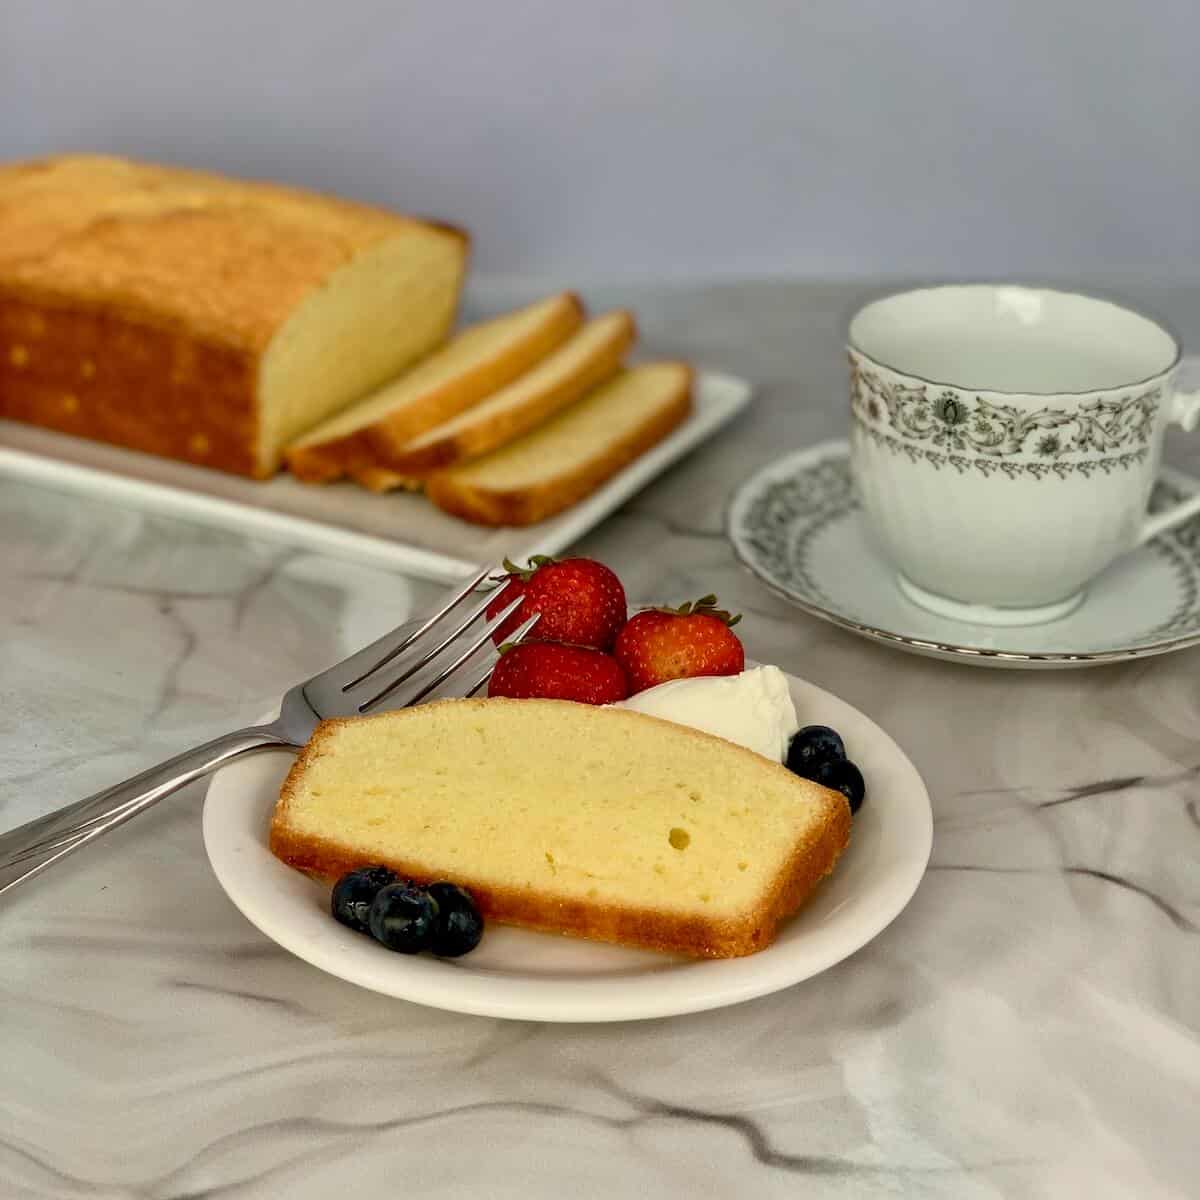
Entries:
{"x":1029,"y":1026}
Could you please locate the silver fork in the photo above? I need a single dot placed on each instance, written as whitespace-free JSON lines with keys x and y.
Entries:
{"x":356,"y":685}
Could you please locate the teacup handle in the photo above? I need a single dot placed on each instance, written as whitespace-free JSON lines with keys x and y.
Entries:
{"x":1185,"y":411}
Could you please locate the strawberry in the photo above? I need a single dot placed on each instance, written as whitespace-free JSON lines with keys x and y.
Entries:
{"x":581,"y":601}
{"x":552,"y":671}
{"x":659,"y":644}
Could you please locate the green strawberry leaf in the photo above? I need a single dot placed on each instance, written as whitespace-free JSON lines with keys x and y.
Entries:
{"x":706,"y":606}
{"x":524,"y":574}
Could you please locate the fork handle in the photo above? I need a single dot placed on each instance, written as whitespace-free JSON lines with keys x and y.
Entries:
{"x":29,"y":849}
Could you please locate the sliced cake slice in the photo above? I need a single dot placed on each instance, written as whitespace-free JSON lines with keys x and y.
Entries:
{"x":469,"y":367}
{"x":593,"y":355}
{"x":597,"y":822}
{"x":572,"y":454}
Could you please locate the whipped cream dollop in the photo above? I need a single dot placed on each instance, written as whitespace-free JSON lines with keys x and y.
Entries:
{"x":753,"y":709}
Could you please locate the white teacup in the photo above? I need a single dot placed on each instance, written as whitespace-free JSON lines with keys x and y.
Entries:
{"x":1005,"y":440}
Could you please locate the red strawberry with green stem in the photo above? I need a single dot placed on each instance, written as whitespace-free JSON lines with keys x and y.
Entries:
{"x":661,"y":644}
{"x":580,"y":600}
{"x":552,"y":671}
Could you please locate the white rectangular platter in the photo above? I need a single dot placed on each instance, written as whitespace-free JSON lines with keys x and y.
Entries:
{"x":399,"y":530}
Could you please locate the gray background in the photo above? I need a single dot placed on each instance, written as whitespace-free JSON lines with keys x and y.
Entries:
{"x":664,"y":139}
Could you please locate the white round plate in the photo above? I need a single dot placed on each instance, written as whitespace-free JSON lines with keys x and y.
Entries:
{"x":796,"y":524}
{"x":530,"y":976}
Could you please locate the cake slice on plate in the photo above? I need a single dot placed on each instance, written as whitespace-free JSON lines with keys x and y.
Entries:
{"x":592,"y":821}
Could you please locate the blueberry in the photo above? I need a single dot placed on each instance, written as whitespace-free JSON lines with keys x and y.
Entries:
{"x":459,"y":926}
{"x":812,"y":746}
{"x":402,"y":917}
{"x":844,"y":777}
{"x":354,"y":892}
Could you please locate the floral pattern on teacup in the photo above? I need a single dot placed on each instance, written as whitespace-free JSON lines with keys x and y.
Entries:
{"x":948,"y":427}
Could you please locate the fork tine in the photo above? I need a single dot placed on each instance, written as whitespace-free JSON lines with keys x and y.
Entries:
{"x":389,"y":652}
{"x":436,"y":649}
{"x":445,"y":674}
{"x":481,"y":680}
{"x":518,"y":635}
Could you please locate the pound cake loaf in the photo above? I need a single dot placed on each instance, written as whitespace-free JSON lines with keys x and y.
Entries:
{"x":201,"y":317}
{"x":572,"y":454}
{"x":472,"y":365}
{"x":596,"y":822}
{"x":593,"y":355}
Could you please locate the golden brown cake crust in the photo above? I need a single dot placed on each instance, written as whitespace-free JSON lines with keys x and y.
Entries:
{"x":535,"y":502}
{"x":627,"y":925}
{"x":226,"y":259}
{"x":136,"y":300}
{"x":96,"y":375}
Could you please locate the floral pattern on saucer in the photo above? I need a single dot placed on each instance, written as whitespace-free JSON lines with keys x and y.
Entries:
{"x":797,"y":526}
{"x":1181,"y":546}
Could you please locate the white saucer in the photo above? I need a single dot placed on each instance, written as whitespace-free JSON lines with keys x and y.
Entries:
{"x":797,"y":526}
{"x":538,"y":977}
